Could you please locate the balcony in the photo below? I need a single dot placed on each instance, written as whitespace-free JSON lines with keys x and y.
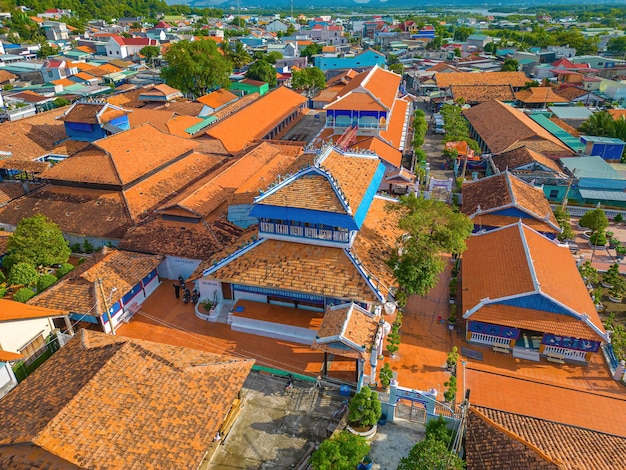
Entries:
{"x":304,"y":232}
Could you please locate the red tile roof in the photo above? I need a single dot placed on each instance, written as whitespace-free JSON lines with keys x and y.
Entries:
{"x":217,"y":98}
{"x":11,"y":311}
{"x":384,"y":150}
{"x":515,"y":79}
{"x":381,"y":86}
{"x":517,"y":261}
{"x":126,"y":403}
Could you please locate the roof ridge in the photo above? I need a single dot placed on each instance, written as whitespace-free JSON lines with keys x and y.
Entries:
{"x":518,"y":438}
{"x":531,"y":265}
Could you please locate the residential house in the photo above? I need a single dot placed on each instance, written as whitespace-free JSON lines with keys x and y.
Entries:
{"x":216,"y":100}
{"x":115,"y":387}
{"x":516,"y":80}
{"x":475,"y":94}
{"x":280,"y":108}
{"x":610,"y":149}
{"x":128,"y":21}
{"x":364,"y":60}
{"x":538,"y":97}
{"x":502,"y":199}
{"x":486,"y":121}
{"x":105,"y":290}
{"x":159,"y":94}
{"x":498,"y":439}
{"x":54,"y":69}
{"x":573,"y":116}
{"x":328,"y":34}
{"x":575,"y":95}
{"x":478,"y":41}
{"x":276,"y":26}
{"x":55,"y":31}
{"x":539,"y":310}
{"x":248,"y":86}
{"x":328,"y":248}
{"x":119,"y":47}
{"x":91,"y":121}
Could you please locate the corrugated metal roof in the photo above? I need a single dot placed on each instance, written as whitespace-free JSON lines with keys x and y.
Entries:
{"x":571,"y":112}
{"x":558,"y":132}
{"x":603,"y":195}
{"x":591,"y":167}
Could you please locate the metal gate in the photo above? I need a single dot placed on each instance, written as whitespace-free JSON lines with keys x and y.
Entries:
{"x":412,"y":411}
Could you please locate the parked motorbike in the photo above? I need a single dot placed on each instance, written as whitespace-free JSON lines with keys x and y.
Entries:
{"x":187,"y":296}
{"x":181,"y":281}
{"x":195,"y":296}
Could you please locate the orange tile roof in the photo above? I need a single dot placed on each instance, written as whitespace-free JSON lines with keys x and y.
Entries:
{"x":64,"y":82}
{"x":6,"y":76}
{"x":536,"y":95}
{"x":570,"y":447}
{"x":383,"y":149}
{"x":79,"y":291}
{"x":11,"y":311}
{"x":93,"y":113}
{"x":381,"y":84}
{"x":514,"y":261}
{"x":178,"y":124}
{"x":122,"y":158}
{"x":347,"y":331}
{"x":353,"y":174}
{"x":513,"y":159}
{"x":239,"y":129}
{"x":328,"y":94}
{"x":357,"y":101}
{"x":156,"y":117}
{"x":504,"y":190}
{"x":397,"y":124}
{"x":297,"y":267}
{"x":84,"y":76}
{"x":490,"y":117}
{"x":482,"y":93}
{"x":83,"y":66}
{"x":617,"y":113}
{"x":6,"y":356}
{"x":310,"y":191}
{"x":87,"y":49}
{"x":218,"y":98}
{"x":515,"y":79}
{"x":137,"y":422}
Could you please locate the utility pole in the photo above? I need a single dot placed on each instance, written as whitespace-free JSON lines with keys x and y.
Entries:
{"x":106,"y":306}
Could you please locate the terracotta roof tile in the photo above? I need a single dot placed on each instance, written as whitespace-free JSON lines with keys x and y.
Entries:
{"x":156,"y":117}
{"x":516,"y":260}
{"x":360,"y":101}
{"x":384,"y":150}
{"x":381,"y":84}
{"x":297,"y":267}
{"x":178,"y":124}
{"x":520,"y":156}
{"x":237,"y":105}
{"x":239,"y":129}
{"x":95,"y":212}
{"x":217,"y":99}
{"x":121,"y":158}
{"x":575,"y":448}
{"x":482,"y":93}
{"x":11,"y":310}
{"x":162,"y":408}
{"x":310,"y":191}
{"x":6,"y":356}
{"x":10,"y":190}
{"x":347,"y":331}
{"x":397,"y":124}
{"x":538,"y":95}
{"x":514,"y":79}
{"x":78,"y":290}
{"x":6,"y":77}
{"x":128,"y":99}
{"x":24,"y":165}
{"x":93,"y":113}
{"x":490,"y":117}
{"x":502,"y":190}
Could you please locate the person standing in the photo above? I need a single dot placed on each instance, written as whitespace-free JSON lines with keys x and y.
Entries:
{"x":177,"y":290}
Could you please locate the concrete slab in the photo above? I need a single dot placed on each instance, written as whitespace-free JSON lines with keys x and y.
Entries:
{"x":394,"y":441}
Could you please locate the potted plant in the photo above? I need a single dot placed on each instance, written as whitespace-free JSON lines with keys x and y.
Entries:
{"x":450,"y":393}
{"x":452,"y":317}
{"x":393,"y":342}
{"x":589,"y":273}
{"x":618,"y":286}
{"x":452,"y":289}
{"x":613,"y":242}
{"x":597,"y":222}
{"x":611,"y":277}
{"x":619,"y":218}
{"x":386,"y":376}
{"x":620,"y":251}
{"x":453,"y":357}
{"x":364,"y":411}
{"x":597,"y":239}
{"x":609,"y":234}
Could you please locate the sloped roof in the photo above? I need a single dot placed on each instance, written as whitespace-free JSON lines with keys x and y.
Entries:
{"x":380,"y":84}
{"x":489,"y":118}
{"x":397,"y":124}
{"x":520,"y":156}
{"x":217,"y":98}
{"x":121,"y":158}
{"x":242,"y":127}
{"x":347,"y":330}
{"x":136,"y":423}
{"x":514,"y":262}
{"x":482,"y":93}
{"x":504,"y":190}
{"x":309,"y":191}
{"x":535,"y":95}
{"x":514,"y":79}
{"x":11,"y":311}
{"x":93,"y":113}
{"x":79,"y":292}
{"x":565,"y":446}
{"x":384,"y":150}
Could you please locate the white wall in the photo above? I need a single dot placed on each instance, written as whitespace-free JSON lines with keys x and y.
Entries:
{"x":172,"y":267}
{"x":15,"y":334}
{"x":7,"y":378}
{"x":209,"y":288}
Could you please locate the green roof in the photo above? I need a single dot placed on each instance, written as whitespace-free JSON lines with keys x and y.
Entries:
{"x":568,"y":139}
{"x":201,"y":125}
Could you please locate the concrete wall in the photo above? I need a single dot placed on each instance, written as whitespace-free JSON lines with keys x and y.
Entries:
{"x":16,"y":334}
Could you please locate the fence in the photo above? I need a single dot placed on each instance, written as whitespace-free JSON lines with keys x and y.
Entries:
{"x":25,"y":367}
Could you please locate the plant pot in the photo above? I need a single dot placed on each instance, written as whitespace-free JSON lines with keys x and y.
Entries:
{"x":617,"y":299}
{"x":608,"y":286}
{"x":451,"y":326}
{"x":587,"y":234}
{"x":367,"y":434}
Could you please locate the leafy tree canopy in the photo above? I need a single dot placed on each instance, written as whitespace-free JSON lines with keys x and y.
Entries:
{"x":38,"y":241}
{"x":595,"y":220}
{"x":23,"y":274}
{"x":236,"y":52}
{"x":342,"y":452}
{"x":309,"y":79}
{"x":150,"y":53}
{"x":510,"y":65}
{"x":273,"y":56}
{"x":196,"y":67}
{"x":263,"y":71}
{"x":430,"y":454}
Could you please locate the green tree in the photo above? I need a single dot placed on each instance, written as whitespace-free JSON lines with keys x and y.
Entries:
{"x":196,"y":67}
{"x":38,"y":241}
{"x":598,"y":124}
{"x":263,"y":71}
{"x":272,"y":57}
{"x":235,"y":51}
{"x":22,"y":274}
{"x":430,"y":454}
{"x":563,"y":219}
{"x":150,"y":53}
{"x":342,"y":452}
{"x":595,"y":220}
{"x":45,"y":281}
{"x":510,"y":65}
{"x":64,"y":269}
{"x":309,"y":79}
{"x":60,"y":102}
{"x":311,"y":50}
{"x":364,"y":409}
{"x":432,"y":229}
{"x":23,"y":295}
{"x":45,"y":50}
{"x":616,"y":45}
{"x":397,"y":68}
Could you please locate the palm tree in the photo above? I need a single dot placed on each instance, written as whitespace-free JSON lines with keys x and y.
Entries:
{"x":599,"y":124}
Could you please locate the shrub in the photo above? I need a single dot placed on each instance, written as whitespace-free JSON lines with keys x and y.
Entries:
{"x":64,"y":269}
{"x":76,"y":248}
{"x":385,"y":375}
{"x":401,"y":298}
{"x":23,"y":274}
{"x":344,"y":451}
{"x":619,"y":218}
{"x":8,"y":261}
{"x":364,"y":409}
{"x":2,"y":277}
{"x":450,"y":394}
{"x":598,"y":239}
{"x":45,"y":281}
{"x":23,"y":294}
{"x":87,"y":246}
{"x":3,"y":290}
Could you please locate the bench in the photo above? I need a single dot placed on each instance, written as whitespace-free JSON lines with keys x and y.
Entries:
{"x":503,"y":348}
{"x":555,"y":358}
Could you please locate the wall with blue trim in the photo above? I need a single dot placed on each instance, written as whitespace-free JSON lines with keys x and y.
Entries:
{"x":536,"y":302}
{"x":368,"y":197}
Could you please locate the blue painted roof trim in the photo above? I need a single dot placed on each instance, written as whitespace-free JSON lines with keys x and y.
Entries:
{"x":537,"y":301}
{"x":369,"y":195}
{"x":266,"y":211}
{"x":235,"y":255}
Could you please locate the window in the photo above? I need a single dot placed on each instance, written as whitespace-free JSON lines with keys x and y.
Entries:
{"x":32,"y":349}
{"x":554,"y":193}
